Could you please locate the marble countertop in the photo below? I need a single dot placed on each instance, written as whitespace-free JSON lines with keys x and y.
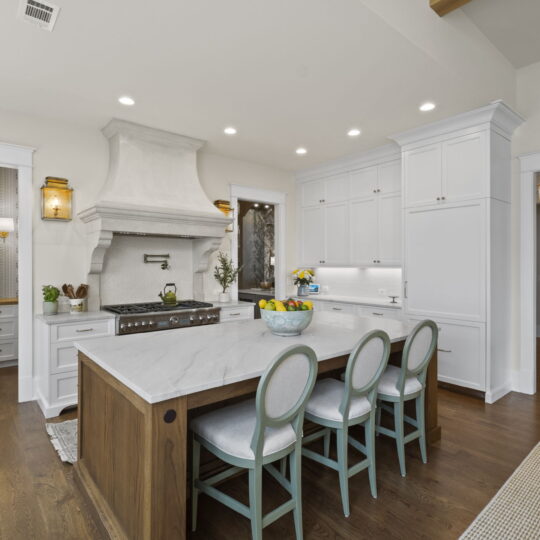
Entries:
{"x":366,"y":300}
{"x":235,"y":304}
{"x":257,"y":292}
{"x":163,"y":365}
{"x":85,"y":316}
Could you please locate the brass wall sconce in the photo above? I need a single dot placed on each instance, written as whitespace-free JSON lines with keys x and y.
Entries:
{"x":225,"y":207}
{"x":7,"y":225}
{"x":56,"y":199}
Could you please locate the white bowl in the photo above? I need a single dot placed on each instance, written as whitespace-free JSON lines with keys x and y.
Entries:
{"x":287,"y":323}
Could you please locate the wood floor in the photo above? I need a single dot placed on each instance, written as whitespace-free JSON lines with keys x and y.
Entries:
{"x":481,"y":446}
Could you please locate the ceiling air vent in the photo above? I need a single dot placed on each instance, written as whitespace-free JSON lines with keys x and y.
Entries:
{"x":42,"y":14}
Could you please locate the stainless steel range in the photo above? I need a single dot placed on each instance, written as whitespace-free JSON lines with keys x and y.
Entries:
{"x":152,"y":316}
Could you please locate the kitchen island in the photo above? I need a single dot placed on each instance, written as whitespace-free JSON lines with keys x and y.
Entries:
{"x":135,"y":393}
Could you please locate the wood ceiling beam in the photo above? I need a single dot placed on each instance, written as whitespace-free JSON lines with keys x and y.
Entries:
{"x":442,"y":7}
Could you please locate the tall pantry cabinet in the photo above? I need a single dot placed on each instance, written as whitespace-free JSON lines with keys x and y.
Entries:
{"x":456,"y":266}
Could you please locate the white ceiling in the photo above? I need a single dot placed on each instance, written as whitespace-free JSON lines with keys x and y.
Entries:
{"x":511,"y":25}
{"x":286,"y":74}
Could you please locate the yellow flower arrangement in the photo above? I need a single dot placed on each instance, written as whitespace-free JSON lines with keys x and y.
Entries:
{"x":303,"y":276}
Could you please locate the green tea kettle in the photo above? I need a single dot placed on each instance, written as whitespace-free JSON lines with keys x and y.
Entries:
{"x":168,"y":296}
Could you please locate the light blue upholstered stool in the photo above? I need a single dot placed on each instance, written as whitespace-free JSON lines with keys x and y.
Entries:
{"x":398,"y":385}
{"x":256,"y":433}
{"x":339,"y":405}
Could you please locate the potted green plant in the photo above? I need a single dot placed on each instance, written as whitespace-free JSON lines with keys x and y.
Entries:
{"x":225,"y":274}
{"x":50,"y":300}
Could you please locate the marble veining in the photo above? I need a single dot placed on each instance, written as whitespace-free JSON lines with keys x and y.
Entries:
{"x":163,"y":365}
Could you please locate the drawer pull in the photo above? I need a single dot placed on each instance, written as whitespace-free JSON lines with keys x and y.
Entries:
{"x":84,"y":330}
{"x":378,"y":314}
{"x":234,"y":314}
{"x":444,"y":350}
{"x":337,"y":309}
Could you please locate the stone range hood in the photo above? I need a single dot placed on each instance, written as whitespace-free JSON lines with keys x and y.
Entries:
{"x":152,"y":189}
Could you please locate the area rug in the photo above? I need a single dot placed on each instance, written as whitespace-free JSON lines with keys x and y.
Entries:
{"x":64,"y":439}
{"x":514,"y":512}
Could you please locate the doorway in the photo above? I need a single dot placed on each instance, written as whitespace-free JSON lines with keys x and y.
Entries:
{"x":9,"y":282}
{"x":262,"y":255}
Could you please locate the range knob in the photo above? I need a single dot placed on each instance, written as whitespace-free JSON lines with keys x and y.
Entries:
{"x":150,"y":323}
{"x":136,"y":324}
{"x":173,"y":320}
{"x":209,"y":317}
{"x":144,"y":323}
{"x":191,"y":318}
{"x":122,"y":326}
{"x":129,"y":325}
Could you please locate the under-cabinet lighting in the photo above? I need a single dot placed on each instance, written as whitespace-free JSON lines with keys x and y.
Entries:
{"x":301,"y":151}
{"x":126,"y":100}
{"x":354,"y":132}
{"x":427,"y":106}
{"x":230,"y":131}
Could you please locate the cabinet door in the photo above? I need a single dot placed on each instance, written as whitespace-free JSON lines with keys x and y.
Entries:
{"x":337,"y":237}
{"x":312,"y":235}
{"x":389,"y":229}
{"x":363,"y":182}
{"x":363,"y":220}
{"x":461,"y":354}
{"x":422,"y":171}
{"x":390,"y":177}
{"x":312,"y":193}
{"x":336,"y":188}
{"x":445,"y":261}
{"x":465,"y":168}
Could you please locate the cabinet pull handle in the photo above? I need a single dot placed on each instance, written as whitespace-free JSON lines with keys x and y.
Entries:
{"x":443,"y":198}
{"x":444,"y":350}
{"x":84,"y":330}
{"x":378,"y":314}
{"x":405,"y":283}
{"x":438,"y":198}
{"x":234,"y":314}
{"x":337,"y":309}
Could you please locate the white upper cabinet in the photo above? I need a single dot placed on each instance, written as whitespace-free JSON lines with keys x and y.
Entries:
{"x":465,"y":167}
{"x":336,"y":188}
{"x":389,"y":228}
{"x":312,"y":193}
{"x":363,"y":182}
{"x":337,"y":234}
{"x":363,"y":217}
{"x":312,"y":235}
{"x":423,"y":173}
{"x":445,"y":261}
{"x":390,"y":177}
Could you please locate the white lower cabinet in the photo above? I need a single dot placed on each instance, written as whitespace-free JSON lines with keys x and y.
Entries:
{"x":461,"y":353}
{"x":57,"y":359}
{"x":9,"y":349}
{"x":236,"y":313}
{"x":376,"y":311}
{"x":340,"y":307}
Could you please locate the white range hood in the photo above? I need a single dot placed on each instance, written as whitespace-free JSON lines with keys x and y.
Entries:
{"x":152,"y":189}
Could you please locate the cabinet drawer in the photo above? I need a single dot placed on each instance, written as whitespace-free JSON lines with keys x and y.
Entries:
{"x":8,"y":328}
{"x":237,"y":314}
{"x":63,"y":358}
{"x":375,"y":311}
{"x":338,"y":307}
{"x":63,"y":388}
{"x":8,"y":350}
{"x":8,"y":311}
{"x":64,"y":332}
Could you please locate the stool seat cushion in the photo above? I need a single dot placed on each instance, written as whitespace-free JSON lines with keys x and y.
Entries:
{"x":389,"y":380}
{"x":326,"y":399}
{"x":231,"y":428}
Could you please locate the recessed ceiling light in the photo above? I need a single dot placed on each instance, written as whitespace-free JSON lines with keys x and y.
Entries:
{"x":126,"y":100}
{"x":301,"y":151}
{"x":230,"y":131}
{"x":427,"y":106}
{"x":354,"y":132}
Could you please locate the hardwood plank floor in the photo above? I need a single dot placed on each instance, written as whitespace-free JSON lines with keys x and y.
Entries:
{"x":481,"y":446}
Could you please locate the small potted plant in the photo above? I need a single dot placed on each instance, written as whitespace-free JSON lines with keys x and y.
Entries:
{"x":302,"y":278}
{"x":50,"y":300}
{"x":225,"y":274}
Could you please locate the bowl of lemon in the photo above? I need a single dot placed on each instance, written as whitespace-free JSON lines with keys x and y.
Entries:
{"x":286,"y":317}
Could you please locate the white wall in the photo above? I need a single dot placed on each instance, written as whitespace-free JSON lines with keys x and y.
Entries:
{"x":366,"y":282}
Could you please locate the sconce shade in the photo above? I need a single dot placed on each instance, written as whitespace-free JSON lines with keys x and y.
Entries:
{"x":56,"y":199}
{"x":7,"y":224}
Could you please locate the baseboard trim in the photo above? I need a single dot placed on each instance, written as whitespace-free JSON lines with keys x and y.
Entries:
{"x":497,"y":393}
{"x":8,"y":363}
{"x":462,"y":390}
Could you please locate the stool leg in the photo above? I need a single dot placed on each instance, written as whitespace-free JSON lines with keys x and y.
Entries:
{"x":420,"y":416}
{"x":327,"y":436}
{"x":283,"y":467}
{"x":342,"y":449}
{"x":255,"y":501}
{"x":196,"y":458}
{"x":378,"y":413}
{"x":295,"y":460}
{"x":370,"y":448}
{"x":399,"y":428}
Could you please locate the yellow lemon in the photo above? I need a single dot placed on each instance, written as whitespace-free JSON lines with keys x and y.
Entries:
{"x":262,"y":303}
{"x":309,"y":304}
{"x":281,"y":308}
